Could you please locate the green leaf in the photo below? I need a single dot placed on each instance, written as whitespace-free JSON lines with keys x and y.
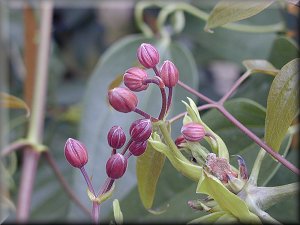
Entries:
{"x":260,"y":66}
{"x":227,"y":11}
{"x":228,"y":201}
{"x":10,"y":101}
{"x":148,"y":169}
{"x":282,"y":105}
{"x":284,"y":49}
{"x":117,"y":212}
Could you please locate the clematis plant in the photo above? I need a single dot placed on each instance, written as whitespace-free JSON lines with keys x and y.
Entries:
{"x":232,"y":194}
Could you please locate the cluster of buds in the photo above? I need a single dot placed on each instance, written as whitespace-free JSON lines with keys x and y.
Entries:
{"x":123,"y":99}
{"x":140,"y":131}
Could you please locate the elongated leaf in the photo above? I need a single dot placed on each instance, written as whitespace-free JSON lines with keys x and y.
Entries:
{"x":284,"y":49}
{"x":282,"y":105}
{"x":148,"y":169}
{"x":260,"y":66}
{"x":226,"y":199}
{"x":117,"y":212}
{"x":10,"y":101}
{"x":227,"y":11}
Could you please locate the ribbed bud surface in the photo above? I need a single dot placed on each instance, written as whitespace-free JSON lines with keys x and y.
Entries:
{"x":133,"y":79}
{"x":75,"y":153}
{"x":169,"y":74}
{"x":193,"y":132}
{"x":116,"y":137}
{"x":122,"y":99}
{"x":116,"y":166}
{"x":140,"y":130}
{"x":138,"y":148}
{"x":148,"y":55}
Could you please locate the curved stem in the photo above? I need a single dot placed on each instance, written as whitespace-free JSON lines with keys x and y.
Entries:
{"x":162,"y":17}
{"x":235,"y":86}
{"x":156,"y":80}
{"x":63,"y":182}
{"x":256,"y":167}
{"x":169,"y":102}
{"x":202,"y":107}
{"x":95,"y":209}
{"x":258,"y":141}
{"x":87,"y":180}
{"x":20,"y":144}
{"x":193,"y":91}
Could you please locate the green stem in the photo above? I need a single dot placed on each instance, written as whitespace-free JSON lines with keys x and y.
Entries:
{"x":256,"y":167}
{"x":269,"y":196}
{"x":166,"y":11}
{"x":169,"y":141}
{"x":36,"y":124}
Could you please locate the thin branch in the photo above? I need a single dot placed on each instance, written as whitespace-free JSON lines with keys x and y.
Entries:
{"x":193,"y":91}
{"x":20,"y":144}
{"x":64,"y":183}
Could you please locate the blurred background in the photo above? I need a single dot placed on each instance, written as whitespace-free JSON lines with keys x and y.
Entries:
{"x":92,"y":43}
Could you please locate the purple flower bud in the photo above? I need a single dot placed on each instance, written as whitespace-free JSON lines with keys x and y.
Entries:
{"x":148,"y":55}
{"x":179,"y":140}
{"x":75,"y":153}
{"x":122,"y":99}
{"x":133,"y":79}
{"x":193,"y":132}
{"x":116,"y":166}
{"x":138,"y":148}
{"x":169,"y":74}
{"x":116,"y":137}
{"x":140,"y":130}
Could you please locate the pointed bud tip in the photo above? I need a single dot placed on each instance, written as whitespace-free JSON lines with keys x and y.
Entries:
{"x":75,"y":153}
{"x":148,"y":55}
{"x":169,"y":74}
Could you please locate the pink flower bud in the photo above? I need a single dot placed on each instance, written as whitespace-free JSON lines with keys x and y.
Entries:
{"x":169,"y":74}
{"x":140,"y":130}
{"x":116,"y":166}
{"x":133,"y":79}
{"x":75,"y":153}
{"x":116,"y":137}
{"x":179,"y":140}
{"x":138,"y":148}
{"x":122,"y":99}
{"x":193,"y":132}
{"x":148,"y":55}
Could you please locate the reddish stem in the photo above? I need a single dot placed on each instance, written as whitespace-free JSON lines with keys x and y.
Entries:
{"x":156,"y":80}
{"x":30,"y":163}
